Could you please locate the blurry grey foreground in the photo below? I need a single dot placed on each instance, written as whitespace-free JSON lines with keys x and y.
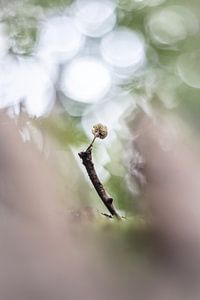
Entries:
{"x":40,"y":258}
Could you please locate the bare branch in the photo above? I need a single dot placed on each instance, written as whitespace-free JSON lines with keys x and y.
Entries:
{"x":86,"y":157}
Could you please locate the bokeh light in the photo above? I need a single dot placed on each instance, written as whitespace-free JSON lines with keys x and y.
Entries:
{"x":11,"y":84}
{"x":59,"y":40}
{"x":182,"y":23}
{"x":123,"y":48}
{"x":95,"y":18}
{"x":188,"y":67}
{"x":81,"y":51}
{"x":86,"y":79}
{"x":25,"y":80}
{"x":39,"y":89}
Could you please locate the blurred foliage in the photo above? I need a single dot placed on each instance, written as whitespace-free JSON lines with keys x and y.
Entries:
{"x":65,"y":129}
{"x":52,"y":3}
{"x":130,"y":240}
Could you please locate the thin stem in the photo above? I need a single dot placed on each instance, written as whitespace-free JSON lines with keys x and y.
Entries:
{"x":91,"y":144}
{"x":86,"y":157}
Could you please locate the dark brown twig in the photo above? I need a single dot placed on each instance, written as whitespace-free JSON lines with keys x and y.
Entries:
{"x":86,"y":157}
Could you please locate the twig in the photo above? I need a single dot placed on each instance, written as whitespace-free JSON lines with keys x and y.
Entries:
{"x":86,"y":157}
{"x":91,"y":144}
{"x":106,"y":215}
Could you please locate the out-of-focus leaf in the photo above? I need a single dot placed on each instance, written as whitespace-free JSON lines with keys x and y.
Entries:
{"x":65,"y":129}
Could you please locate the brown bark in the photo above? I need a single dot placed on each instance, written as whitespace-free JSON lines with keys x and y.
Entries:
{"x":86,"y":157}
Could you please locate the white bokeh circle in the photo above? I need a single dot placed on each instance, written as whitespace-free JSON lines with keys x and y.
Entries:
{"x":95,"y":18}
{"x":86,"y":79}
{"x":123,"y":48}
{"x":59,"y":39}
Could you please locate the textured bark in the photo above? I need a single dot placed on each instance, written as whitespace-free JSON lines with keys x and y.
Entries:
{"x":86,"y":157}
